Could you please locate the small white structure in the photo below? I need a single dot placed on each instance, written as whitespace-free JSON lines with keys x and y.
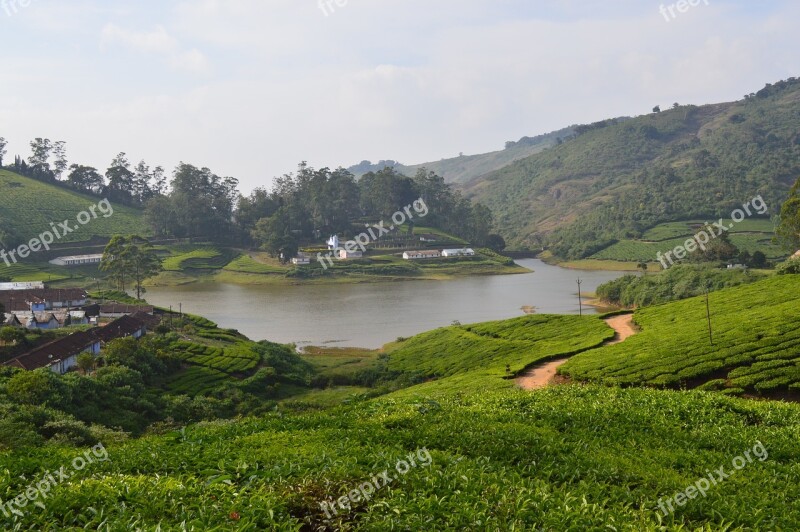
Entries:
{"x":300,"y":260}
{"x":345,"y":254}
{"x":35,"y":285}
{"x":425,"y":254}
{"x":333,"y":242}
{"x":463,"y":252}
{"x":77,"y":260}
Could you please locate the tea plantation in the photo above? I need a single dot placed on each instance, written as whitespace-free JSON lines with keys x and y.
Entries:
{"x":574,"y":457}
{"x":756,"y":343}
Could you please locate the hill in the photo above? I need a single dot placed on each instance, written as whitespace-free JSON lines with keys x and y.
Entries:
{"x":465,"y":168}
{"x":673,"y":348}
{"x":617,"y":179}
{"x":28,"y":207}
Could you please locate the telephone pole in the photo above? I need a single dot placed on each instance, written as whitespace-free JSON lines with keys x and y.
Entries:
{"x":580,"y":303}
{"x":708,"y":317}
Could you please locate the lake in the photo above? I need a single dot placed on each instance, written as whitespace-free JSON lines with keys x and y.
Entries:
{"x":372,"y":314}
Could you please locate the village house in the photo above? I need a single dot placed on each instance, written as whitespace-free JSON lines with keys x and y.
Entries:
{"x":22,"y":286}
{"x":424,"y":254}
{"x":42,"y":299}
{"x":62,"y":355}
{"x":464,"y":252}
{"x":301,"y":259}
{"x":59,"y":355}
{"x":118,"y":310}
{"x":77,"y":260}
{"x":46,"y":320}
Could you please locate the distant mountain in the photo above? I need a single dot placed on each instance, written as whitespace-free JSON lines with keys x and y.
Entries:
{"x":617,"y":178}
{"x":464,"y":168}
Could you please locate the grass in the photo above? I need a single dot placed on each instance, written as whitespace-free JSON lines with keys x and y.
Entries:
{"x":673,"y":349}
{"x":749,"y":235}
{"x":584,"y":457}
{"x":27,"y":207}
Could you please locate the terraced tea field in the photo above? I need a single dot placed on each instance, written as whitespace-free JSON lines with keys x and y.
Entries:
{"x":756,"y":344}
{"x":749,"y":235}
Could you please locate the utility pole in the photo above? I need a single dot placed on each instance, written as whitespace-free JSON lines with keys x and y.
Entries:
{"x":580,"y":303}
{"x":708,"y":317}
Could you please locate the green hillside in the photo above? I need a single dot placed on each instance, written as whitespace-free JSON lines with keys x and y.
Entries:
{"x":617,"y":179}
{"x":465,"y":450}
{"x":465,"y":168}
{"x":756,"y":347}
{"x":28,"y":206}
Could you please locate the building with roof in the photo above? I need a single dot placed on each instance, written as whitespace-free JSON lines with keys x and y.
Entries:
{"x":117,"y":310}
{"x":345,"y":254}
{"x":77,"y":260}
{"x":463,"y":252}
{"x":423,"y":254}
{"x":22,"y":286}
{"x":59,"y":355}
{"x":42,"y":299}
{"x":62,"y":355}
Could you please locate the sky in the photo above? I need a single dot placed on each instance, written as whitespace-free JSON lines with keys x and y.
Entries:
{"x":250,"y":88}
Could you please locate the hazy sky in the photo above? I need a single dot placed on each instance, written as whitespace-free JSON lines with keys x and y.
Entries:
{"x":251,"y":87}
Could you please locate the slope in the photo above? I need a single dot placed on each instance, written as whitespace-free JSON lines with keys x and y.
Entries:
{"x":674,"y":348}
{"x":617,"y":179}
{"x":28,"y":206}
{"x":464,"y":168}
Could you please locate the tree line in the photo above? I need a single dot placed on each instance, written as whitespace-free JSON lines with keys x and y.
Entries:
{"x":306,"y":205}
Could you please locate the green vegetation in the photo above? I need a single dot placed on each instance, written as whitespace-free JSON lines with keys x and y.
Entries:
{"x":748,"y":236}
{"x":28,"y":206}
{"x":755,"y":344}
{"x":559,"y":459}
{"x":679,"y":282}
{"x":619,"y":178}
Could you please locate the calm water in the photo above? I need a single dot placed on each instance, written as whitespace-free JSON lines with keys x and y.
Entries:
{"x":370,"y":315}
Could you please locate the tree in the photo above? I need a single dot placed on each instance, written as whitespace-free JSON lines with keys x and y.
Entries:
{"x":759,"y":260}
{"x":113,"y":261}
{"x":12,"y":335}
{"x":40,"y":155}
{"x":788,"y":232}
{"x":496,"y":242}
{"x":657,"y":109}
{"x":120,"y":179}
{"x":60,"y":163}
{"x":131,"y":258}
{"x":86,"y":362}
{"x":85,"y":178}
{"x":142,"y":261}
{"x":3,"y":144}
{"x":274,"y":235}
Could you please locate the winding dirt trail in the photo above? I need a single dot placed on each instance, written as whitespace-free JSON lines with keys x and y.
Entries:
{"x":543,"y":374}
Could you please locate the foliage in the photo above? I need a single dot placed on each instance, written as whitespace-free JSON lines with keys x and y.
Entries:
{"x":788,"y":232}
{"x":132,"y":258}
{"x":756,"y":342}
{"x":679,"y":282}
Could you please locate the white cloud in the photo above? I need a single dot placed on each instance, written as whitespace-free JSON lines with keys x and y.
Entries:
{"x":157,"y":41}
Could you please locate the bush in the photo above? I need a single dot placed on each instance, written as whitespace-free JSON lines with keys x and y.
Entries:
{"x":790,"y":267}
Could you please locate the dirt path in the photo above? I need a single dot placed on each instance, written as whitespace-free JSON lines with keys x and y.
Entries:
{"x":541,"y":375}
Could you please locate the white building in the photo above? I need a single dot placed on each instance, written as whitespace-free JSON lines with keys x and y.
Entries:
{"x":345,"y":254}
{"x":333,"y":242}
{"x":300,"y":260}
{"x":464,"y":252}
{"x":425,"y":254}
{"x":35,"y":285}
{"x":77,"y":260}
